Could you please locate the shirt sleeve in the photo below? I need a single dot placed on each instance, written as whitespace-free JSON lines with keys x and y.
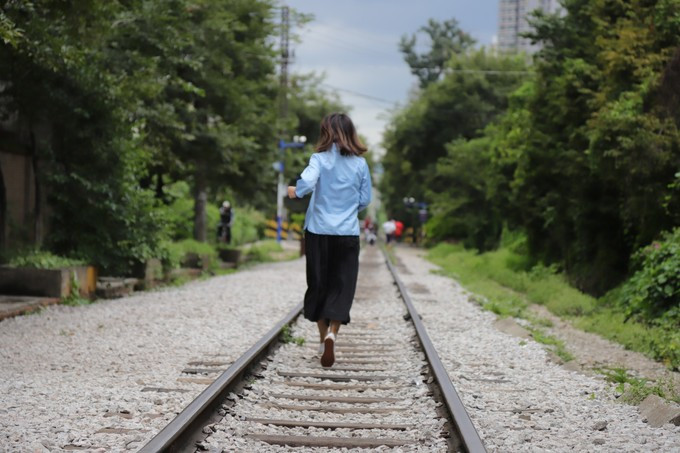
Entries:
{"x":365,"y":188}
{"x":308,"y":178}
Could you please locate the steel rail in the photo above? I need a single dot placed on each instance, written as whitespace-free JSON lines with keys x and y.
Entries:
{"x":468,"y":433}
{"x":180,"y":431}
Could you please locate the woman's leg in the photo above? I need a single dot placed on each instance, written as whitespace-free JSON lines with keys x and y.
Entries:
{"x":335,"y":327}
{"x":323,"y":329}
{"x":328,"y":354}
{"x":342,"y":273}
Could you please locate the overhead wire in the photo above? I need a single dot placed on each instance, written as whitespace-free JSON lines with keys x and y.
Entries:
{"x":354,"y":48}
{"x":353,"y":32}
{"x":354,"y":45}
{"x":351,"y":47}
{"x":362,"y":95}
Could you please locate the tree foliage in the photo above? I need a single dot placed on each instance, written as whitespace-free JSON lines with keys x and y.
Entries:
{"x":592,"y":185}
{"x":445,"y":40}
{"x":584,"y":156}
{"x":454,"y":109}
{"x":113,"y":93}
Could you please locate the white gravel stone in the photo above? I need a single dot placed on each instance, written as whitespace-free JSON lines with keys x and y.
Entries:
{"x":69,"y":372}
{"x":517,"y":398}
{"x":378,"y":312}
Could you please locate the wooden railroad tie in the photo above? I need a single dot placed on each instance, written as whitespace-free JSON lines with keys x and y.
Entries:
{"x":339,"y":377}
{"x":337,"y":399}
{"x":330,"y":442}
{"x":335,"y":410}
{"x":327,"y":425}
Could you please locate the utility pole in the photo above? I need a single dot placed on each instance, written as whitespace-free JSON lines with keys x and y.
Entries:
{"x":283,"y":116}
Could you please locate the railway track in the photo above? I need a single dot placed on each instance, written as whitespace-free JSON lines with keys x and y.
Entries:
{"x":387,"y":388}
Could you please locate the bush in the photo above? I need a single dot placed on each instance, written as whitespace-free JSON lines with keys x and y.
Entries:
{"x":261,"y":252}
{"x":175,"y":252}
{"x":248,"y":226}
{"x":654,"y":290}
{"x":40,"y":259}
{"x":179,"y":214}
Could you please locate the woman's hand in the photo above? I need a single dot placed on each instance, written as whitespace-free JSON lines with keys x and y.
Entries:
{"x":291,"y":192}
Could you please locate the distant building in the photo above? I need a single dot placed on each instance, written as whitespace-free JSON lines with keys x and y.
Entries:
{"x":513,"y":22}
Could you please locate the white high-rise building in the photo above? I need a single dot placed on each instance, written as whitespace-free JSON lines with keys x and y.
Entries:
{"x":513,"y":21}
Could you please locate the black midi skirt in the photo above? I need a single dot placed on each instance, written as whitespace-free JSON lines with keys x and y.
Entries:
{"x":332,"y":270}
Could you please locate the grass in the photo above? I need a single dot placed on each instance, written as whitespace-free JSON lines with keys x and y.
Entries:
{"x":508,"y":288}
{"x":634,"y":390}
{"x":288,"y":337}
{"x":555,"y":344}
{"x":268,"y":251}
{"x":502,"y":270}
{"x":42,"y":259}
{"x":389,"y":251}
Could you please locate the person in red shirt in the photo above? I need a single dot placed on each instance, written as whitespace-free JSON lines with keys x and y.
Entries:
{"x":399,"y":228}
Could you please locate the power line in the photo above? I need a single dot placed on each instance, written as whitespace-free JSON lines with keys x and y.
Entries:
{"x":362,"y":95}
{"x":347,"y":47}
{"x":333,"y":40}
{"x":482,"y":71}
{"x":348,"y":32}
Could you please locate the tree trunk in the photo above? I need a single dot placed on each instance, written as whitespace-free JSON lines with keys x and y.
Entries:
{"x":37,"y":208}
{"x":200,"y":201}
{"x":160,"y":195}
{"x":3,"y":212}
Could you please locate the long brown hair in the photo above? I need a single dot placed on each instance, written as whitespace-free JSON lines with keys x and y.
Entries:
{"x":338,"y":128}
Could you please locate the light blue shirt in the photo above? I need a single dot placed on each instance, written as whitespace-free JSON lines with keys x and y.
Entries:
{"x":340,"y":186}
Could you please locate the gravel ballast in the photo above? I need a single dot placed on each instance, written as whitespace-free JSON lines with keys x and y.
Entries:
{"x":108,"y":376}
{"x":517,"y":398}
{"x":378,"y":324}
{"x":90,"y":376}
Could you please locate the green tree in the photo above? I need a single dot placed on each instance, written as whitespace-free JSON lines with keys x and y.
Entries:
{"x":446,"y":39}
{"x":113,"y":93}
{"x":85,"y":154}
{"x":459,"y":106}
{"x":593,"y":183}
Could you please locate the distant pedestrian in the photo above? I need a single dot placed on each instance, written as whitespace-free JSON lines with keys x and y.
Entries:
{"x":369,"y":234}
{"x":389,"y":228}
{"x":340,"y":182}
{"x":398,"y":229}
{"x":224,"y":227}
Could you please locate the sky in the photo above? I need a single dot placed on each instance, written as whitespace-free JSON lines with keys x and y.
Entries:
{"x":355,"y":44}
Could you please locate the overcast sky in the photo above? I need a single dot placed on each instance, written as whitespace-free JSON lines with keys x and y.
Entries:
{"x":355,"y":43}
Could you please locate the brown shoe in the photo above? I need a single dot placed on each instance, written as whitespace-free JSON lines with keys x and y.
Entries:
{"x":328,"y":356}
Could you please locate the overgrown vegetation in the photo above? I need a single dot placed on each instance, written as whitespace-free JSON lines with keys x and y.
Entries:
{"x":267,"y":251}
{"x":141,"y":117}
{"x":177,"y":251}
{"x":508,"y":283}
{"x":578,"y":153}
{"x":41,"y":259}
{"x":288,"y":337}
{"x":74,"y":298}
{"x":653,"y":292}
{"x":581,"y":151}
{"x":135,"y":94}
{"x":634,"y":390}
{"x":553,"y":343}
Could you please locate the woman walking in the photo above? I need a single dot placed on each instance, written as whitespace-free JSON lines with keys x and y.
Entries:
{"x":340,"y":182}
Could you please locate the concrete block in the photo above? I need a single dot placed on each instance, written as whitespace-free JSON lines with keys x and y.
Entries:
{"x":658,"y":411}
{"x":47,"y":282}
{"x":510,"y":326}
